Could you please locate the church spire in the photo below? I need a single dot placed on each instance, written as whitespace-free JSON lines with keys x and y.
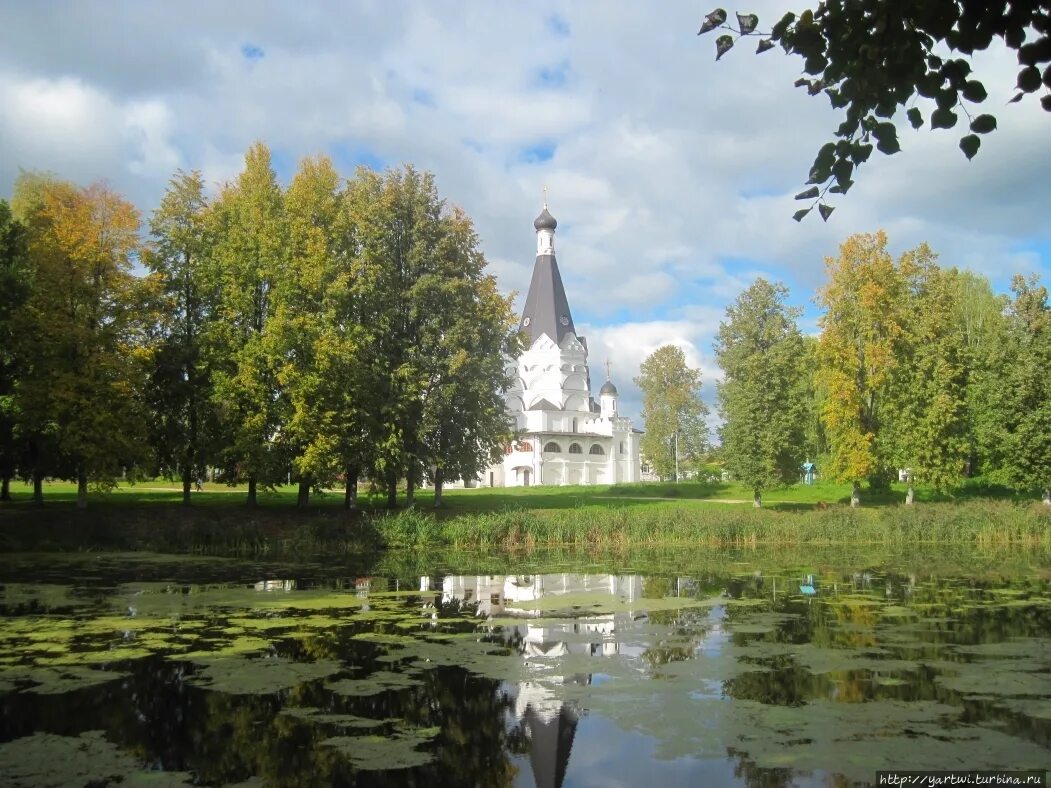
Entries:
{"x":546,"y":307}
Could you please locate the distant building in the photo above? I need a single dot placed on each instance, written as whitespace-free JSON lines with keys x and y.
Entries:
{"x":563,"y":435}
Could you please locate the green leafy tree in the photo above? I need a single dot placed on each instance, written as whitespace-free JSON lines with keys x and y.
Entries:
{"x":248,"y":259}
{"x":672,"y":411}
{"x":14,"y":290}
{"x":931,"y":377}
{"x":762,"y":397}
{"x":468,"y":332}
{"x":1019,"y":436}
{"x":859,"y":349}
{"x":872,"y":58}
{"x":184,"y":426}
{"x":979,"y":316}
{"x":398,"y":221}
{"x":79,"y":391}
{"x":304,"y":330}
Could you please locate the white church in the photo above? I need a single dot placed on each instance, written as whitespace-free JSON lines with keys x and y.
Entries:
{"x":563,"y":436}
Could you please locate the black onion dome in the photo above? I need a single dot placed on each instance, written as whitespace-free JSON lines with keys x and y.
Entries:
{"x":608,"y":388}
{"x":545,"y":221}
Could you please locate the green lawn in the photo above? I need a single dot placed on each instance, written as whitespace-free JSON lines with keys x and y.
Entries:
{"x":688,"y":494}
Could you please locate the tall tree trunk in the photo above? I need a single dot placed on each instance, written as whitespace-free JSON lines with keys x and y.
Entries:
{"x":251,"y":491}
{"x":910,"y":496}
{"x":38,"y":487}
{"x":855,"y":494}
{"x":392,"y":489}
{"x":350,"y":500}
{"x":303,"y":499}
{"x":757,"y":499}
{"x":410,"y":489}
{"x":5,"y":488}
{"x":187,"y":472}
{"x":439,"y":483}
{"x":82,"y":489}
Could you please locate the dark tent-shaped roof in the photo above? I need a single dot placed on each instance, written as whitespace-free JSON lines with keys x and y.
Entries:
{"x":546,"y":308}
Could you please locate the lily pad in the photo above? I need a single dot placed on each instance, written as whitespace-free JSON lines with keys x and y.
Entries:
{"x":258,"y":676}
{"x":384,"y":753}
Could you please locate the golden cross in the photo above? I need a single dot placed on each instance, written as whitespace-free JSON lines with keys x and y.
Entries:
{"x":545,"y":196}
{"x":608,"y":377}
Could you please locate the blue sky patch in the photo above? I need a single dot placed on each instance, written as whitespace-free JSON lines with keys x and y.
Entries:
{"x":424,"y":97}
{"x":252,"y":52}
{"x":553,"y":76}
{"x":558,"y":26}
{"x":347,"y":157}
{"x":538,"y":154}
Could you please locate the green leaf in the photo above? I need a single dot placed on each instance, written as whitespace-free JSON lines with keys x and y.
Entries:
{"x":943,"y":119}
{"x":886,"y":138}
{"x":861,"y":152}
{"x":764,"y":45}
{"x":1029,"y":79}
{"x":915,"y":117}
{"x":969,"y":145}
{"x":723,"y":44}
{"x":1017,"y":98}
{"x":842,"y":170}
{"x":712,"y":21}
{"x":798,"y":215}
{"x":973,"y":90}
{"x":747,"y":23}
{"x":841,"y":188}
{"x":825,"y":211}
{"x":808,"y":194}
{"x":983,"y":124}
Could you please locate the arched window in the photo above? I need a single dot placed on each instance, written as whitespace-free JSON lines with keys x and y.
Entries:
{"x":622,"y":448}
{"x":596,"y":449}
{"x":552,"y":446}
{"x":574,"y":425}
{"x":574,"y":448}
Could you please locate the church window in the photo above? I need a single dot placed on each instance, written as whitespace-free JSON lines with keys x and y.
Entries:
{"x":574,"y":448}
{"x":596,"y":449}
{"x":622,"y":448}
{"x":574,"y":425}
{"x":552,"y":446}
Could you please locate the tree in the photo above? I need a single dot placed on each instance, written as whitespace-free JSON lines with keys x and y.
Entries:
{"x":1020,"y":438}
{"x":303,"y":330}
{"x":930,"y":392}
{"x":978,"y":314}
{"x":14,"y":290}
{"x":873,"y":57}
{"x":398,"y":220}
{"x":467,"y":335}
{"x":672,"y":410}
{"x":248,"y":258}
{"x":861,"y":335}
{"x":79,"y":390}
{"x":183,"y":422}
{"x":762,"y":397}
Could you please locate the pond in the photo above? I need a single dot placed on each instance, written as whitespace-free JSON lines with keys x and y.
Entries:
{"x":715,"y":669}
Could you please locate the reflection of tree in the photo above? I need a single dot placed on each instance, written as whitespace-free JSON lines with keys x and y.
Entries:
{"x":756,"y":776}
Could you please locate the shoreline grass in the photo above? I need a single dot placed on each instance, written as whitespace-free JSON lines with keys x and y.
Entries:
{"x":612,"y":526}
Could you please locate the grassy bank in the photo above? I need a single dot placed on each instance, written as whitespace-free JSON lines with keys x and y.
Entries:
{"x":674,"y":525}
{"x":659,"y":524}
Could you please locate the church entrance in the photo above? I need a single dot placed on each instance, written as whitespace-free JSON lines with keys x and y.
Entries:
{"x":525,"y":478}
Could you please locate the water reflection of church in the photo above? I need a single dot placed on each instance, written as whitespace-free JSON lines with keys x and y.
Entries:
{"x":549,"y":720}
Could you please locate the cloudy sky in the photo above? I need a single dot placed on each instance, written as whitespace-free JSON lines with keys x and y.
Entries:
{"x":671,"y":175}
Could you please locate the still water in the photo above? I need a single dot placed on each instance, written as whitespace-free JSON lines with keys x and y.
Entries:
{"x":695,"y":670}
